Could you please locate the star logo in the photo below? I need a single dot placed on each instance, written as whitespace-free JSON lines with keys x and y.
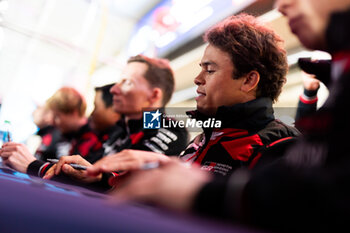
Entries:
{"x":156,"y":115}
{"x":151,"y":120}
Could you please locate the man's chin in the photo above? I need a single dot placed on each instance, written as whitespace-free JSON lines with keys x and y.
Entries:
{"x":312,"y":42}
{"x":206,"y":111}
{"x":117,"y":108}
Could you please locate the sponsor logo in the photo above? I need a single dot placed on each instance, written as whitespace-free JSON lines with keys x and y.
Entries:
{"x":154,"y":120}
{"x":151,"y":120}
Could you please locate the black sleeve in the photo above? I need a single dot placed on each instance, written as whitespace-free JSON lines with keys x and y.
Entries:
{"x":282,"y":198}
{"x":307,"y":104}
{"x":285,"y":199}
{"x":38,"y":168}
{"x":320,"y":68}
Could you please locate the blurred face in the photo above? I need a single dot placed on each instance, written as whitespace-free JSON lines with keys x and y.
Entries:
{"x":308,"y":19}
{"x":102,"y":117}
{"x":133,"y":92}
{"x":66,"y":123}
{"x":216,"y":86}
{"x":42,"y":116}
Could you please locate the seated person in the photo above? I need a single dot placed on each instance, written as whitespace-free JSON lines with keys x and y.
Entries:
{"x":236,"y":87}
{"x":103,"y":119}
{"x":147,"y":83}
{"x":48,"y":133}
{"x":303,"y":192}
{"x":68,"y":107}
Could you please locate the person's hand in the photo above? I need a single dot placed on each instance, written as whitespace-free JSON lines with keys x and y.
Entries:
{"x":125,"y":160}
{"x":17,"y":156}
{"x":63,"y":166}
{"x":310,"y":82}
{"x":173,"y":185}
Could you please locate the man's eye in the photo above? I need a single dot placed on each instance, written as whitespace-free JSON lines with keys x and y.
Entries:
{"x":210,"y":71}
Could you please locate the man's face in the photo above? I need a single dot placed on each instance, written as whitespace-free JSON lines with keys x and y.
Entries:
{"x":65,"y":122}
{"x":308,"y":19}
{"x":216,"y":86}
{"x":133,"y":92}
{"x":101,"y":117}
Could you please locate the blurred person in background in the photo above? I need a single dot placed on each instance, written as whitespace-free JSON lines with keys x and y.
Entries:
{"x":68,"y":107}
{"x":49,"y":135}
{"x":146,"y":84}
{"x":307,"y":190}
{"x":313,"y":72}
{"x":103,"y":119}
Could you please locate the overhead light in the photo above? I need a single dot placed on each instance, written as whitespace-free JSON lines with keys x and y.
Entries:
{"x":196,"y":19}
{"x":165,"y":39}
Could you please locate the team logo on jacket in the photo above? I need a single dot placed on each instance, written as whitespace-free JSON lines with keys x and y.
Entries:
{"x":151,"y":120}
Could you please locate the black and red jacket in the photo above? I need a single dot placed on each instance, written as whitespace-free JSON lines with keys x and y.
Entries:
{"x":307,"y":190}
{"x":132,"y":135}
{"x":50,"y":136}
{"x":247,"y":130}
{"x":168,"y":141}
{"x":84,"y":142}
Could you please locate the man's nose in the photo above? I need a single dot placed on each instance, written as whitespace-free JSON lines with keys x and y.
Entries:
{"x":282,"y":5}
{"x":199,"y":80}
{"x":115,"y":89}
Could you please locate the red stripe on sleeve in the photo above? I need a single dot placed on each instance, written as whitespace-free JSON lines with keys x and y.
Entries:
{"x":305,"y":101}
{"x":278,"y":141}
{"x":43,"y":170}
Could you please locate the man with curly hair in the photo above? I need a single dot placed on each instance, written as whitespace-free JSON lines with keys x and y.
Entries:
{"x":243,"y":71}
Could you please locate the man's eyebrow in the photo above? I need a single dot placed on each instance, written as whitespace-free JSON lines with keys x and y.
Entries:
{"x":207,"y":63}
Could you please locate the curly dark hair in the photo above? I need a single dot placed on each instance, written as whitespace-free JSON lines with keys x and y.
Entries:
{"x":252,"y":47}
{"x":159,"y":74}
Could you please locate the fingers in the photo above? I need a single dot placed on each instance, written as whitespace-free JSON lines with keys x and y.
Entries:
{"x":66,"y":168}
{"x":9,"y":144}
{"x":69,"y":170}
{"x":10,"y":148}
{"x":50,"y":173}
{"x":125,"y":161}
{"x":5,"y":154}
{"x":137,"y":186}
{"x":76,"y":159}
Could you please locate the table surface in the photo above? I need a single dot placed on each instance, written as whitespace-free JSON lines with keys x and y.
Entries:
{"x":30,"y":204}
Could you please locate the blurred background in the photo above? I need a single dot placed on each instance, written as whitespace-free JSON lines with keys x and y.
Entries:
{"x":46,"y":44}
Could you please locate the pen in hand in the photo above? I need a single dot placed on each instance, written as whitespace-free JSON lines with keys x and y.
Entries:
{"x":74,"y":165}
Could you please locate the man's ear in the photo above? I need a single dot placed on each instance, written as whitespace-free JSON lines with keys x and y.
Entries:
{"x":156,"y":97}
{"x":251,"y":81}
